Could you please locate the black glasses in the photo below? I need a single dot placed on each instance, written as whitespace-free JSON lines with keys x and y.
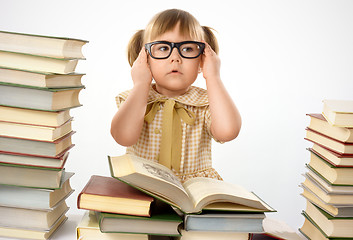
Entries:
{"x":163,"y":49}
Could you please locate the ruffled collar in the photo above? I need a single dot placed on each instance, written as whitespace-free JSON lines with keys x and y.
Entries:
{"x":195,"y":96}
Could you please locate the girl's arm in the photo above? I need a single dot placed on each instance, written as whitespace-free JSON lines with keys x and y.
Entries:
{"x":127,"y":123}
{"x":225,"y":117}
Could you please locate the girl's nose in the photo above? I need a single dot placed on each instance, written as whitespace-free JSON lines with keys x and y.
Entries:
{"x":175,"y":56}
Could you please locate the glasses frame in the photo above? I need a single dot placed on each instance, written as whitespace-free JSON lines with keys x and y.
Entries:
{"x":172,"y":46}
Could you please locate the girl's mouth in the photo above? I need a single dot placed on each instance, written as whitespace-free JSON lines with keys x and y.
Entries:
{"x":174,"y":72}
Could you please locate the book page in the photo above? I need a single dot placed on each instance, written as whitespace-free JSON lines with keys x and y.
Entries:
{"x":204,"y":191}
{"x":156,"y":170}
{"x":154,"y":178}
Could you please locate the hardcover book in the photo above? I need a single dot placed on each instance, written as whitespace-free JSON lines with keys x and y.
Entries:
{"x":35,"y":132}
{"x":40,"y":79}
{"x":37,"y":63}
{"x":35,"y":219}
{"x":342,"y":148}
{"x":339,"y":160}
{"x":164,"y":221}
{"x":35,"y":117}
{"x":35,"y":198}
{"x":21,"y":233}
{"x":341,"y":211}
{"x":319,"y":124}
{"x":28,"y":176}
{"x":209,"y":235}
{"x":338,"y":112}
{"x":88,"y":229}
{"x":224,"y":222}
{"x":311,"y":231}
{"x":36,"y":147}
{"x":107,"y":194}
{"x":331,"y":226}
{"x":335,"y":175}
{"x":46,"y":99}
{"x":35,"y":161}
{"x":59,"y":47}
{"x":329,"y":198}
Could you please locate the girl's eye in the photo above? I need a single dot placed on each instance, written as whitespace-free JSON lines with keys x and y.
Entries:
{"x":189,"y":48}
{"x":163,"y":48}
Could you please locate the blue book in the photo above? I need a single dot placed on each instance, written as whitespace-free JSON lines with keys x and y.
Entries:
{"x":225,"y":222}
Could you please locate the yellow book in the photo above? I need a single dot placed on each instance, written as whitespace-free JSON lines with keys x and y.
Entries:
{"x":319,"y":124}
{"x":40,"y":79}
{"x":32,"y":219}
{"x":37,"y":63}
{"x":334,"y":175}
{"x":35,"y":132}
{"x":338,"y":112}
{"x":35,"y":117}
{"x":34,"y":234}
{"x":331,"y":226}
{"x":88,"y":229}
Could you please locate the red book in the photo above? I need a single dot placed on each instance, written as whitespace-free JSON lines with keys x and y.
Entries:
{"x":332,"y":144}
{"x":32,"y":160}
{"x":107,"y":194}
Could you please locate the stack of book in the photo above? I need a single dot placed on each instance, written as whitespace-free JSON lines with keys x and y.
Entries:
{"x":38,"y":87}
{"x":328,"y":184}
{"x":145,"y":199}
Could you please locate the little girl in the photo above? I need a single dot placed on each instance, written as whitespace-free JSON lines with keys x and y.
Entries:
{"x":169,"y":120}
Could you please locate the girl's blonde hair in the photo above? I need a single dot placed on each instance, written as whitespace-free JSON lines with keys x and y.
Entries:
{"x":166,"y":21}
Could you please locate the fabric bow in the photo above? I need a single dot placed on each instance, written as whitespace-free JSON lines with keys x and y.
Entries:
{"x":171,"y":141}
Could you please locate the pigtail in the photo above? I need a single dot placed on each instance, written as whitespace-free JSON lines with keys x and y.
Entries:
{"x":134,"y":46}
{"x":210,"y":38}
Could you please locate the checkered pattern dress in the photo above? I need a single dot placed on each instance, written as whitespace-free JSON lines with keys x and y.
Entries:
{"x":196,"y":158}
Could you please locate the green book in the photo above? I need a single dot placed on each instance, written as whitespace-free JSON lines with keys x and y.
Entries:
{"x":30,"y":176}
{"x":36,"y":198}
{"x":312,"y":231}
{"x":39,"y":98}
{"x":164,"y":221}
{"x":333,"y":227}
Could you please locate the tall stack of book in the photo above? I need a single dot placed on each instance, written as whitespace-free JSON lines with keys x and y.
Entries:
{"x":328,"y":184}
{"x":38,"y":87}
{"x":146,"y":199}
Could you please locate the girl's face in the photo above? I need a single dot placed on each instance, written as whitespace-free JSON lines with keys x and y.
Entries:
{"x":174,"y":75}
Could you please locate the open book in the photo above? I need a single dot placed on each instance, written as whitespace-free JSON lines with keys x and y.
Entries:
{"x":192,"y":196}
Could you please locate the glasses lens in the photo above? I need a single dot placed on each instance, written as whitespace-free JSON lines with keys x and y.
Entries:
{"x":160,"y":50}
{"x":190,"y":50}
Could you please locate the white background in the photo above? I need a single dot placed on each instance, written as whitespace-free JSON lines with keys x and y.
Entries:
{"x":280,"y":59}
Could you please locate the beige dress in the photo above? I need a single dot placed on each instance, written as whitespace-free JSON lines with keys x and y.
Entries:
{"x":196,"y":139}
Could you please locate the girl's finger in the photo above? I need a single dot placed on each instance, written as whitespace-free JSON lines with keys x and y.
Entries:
{"x":209,"y":50}
{"x":142,"y":52}
{"x":142,"y":56}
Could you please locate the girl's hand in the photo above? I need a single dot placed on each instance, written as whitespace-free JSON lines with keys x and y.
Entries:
{"x":140,"y":71}
{"x":210,"y":63}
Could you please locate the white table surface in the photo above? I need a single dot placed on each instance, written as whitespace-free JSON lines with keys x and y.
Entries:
{"x":68,"y":230}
